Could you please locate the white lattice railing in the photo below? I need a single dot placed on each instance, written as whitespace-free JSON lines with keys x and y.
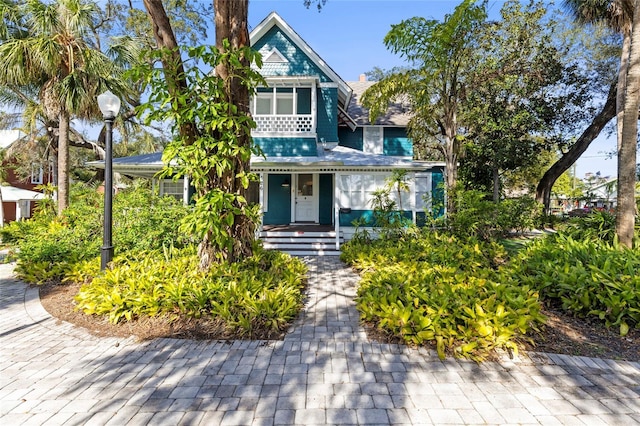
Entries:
{"x":284,"y":123}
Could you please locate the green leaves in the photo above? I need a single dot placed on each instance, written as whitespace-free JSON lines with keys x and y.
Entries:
{"x":589,"y":277}
{"x":444,"y":290}
{"x":213,"y":144}
{"x":257,"y":297}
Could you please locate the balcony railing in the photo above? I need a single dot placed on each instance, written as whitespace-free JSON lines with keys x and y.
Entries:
{"x":284,"y":124}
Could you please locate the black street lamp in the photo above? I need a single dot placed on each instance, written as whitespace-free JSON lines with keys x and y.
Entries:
{"x":110,"y":106}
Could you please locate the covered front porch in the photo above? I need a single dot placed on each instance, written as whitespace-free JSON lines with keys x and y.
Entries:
{"x":318,"y":199}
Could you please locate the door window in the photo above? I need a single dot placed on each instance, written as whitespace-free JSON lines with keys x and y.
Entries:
{"x":305,"y":184}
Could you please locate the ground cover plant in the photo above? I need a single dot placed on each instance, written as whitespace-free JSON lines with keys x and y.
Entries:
{"x":467,"y":290}
{"x":254,"y":298}
{"x":587,"y":277}
{"x":155,"y":269}
{"x":436,"y":288}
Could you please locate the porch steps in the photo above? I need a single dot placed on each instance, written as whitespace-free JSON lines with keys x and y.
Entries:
{"x":302,"y":243}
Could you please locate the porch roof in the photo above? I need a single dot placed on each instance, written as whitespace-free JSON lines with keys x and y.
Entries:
{"x":339,"y":158}
{"x":143,"y":165}
{"x":13,"y":194}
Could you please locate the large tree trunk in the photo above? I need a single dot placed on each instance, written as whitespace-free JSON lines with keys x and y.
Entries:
{"x":231,"y":22}
{"x":626,"y":208}
{"x":543,"y":191}
{"x":63,"y":162}
{"x":231,"y":18}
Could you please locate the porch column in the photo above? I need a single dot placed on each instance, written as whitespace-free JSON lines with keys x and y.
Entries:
{"x":18,"y":211}
{"x":412,"y":201}
{"x":314,"y":107}
{"x":261,"y":198}
{"x":336,"y":210}
{"x":185,"y":190}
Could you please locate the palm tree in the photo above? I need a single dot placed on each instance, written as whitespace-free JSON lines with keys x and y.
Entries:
{"x":621,"y":15}
{"x":51,"y":46}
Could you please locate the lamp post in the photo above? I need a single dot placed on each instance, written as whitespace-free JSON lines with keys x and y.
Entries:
{"x":110,"y":106}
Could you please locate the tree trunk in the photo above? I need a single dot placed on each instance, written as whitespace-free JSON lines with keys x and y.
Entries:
{"x":231,"y":22}
{"x":496,"y":184}
{"x":171,"y":60}
{"x":451,"y":151}
{"x":63,"y":162}
{"x":622,"y":84}
{"x":543,"y":191}
{"x":626,"y":208}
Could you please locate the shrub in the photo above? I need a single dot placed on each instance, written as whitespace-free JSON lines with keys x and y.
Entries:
{"x":477,"y":215}
{"x":588,"y":277}
{"x":259,"y":296}
{"x":50,"y":246}
{"x":443,"y":289}
{"x":599,"y":225}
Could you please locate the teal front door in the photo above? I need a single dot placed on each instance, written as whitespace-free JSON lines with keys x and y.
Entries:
{"x":278,"y":200}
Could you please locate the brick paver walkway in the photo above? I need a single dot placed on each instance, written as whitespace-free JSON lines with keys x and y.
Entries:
{"x":324,"y":372}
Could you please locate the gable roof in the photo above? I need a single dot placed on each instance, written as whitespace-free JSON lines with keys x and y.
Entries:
{"x":397,"y":114}
{"x":273,"y":19}
{"x":7,"y":137}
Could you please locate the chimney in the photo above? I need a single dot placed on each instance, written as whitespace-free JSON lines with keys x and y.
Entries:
{"x":363,"y":77}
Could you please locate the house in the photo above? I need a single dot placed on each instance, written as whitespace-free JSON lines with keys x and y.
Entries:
{"x":18,"y":194}
{"x":323,"y":158}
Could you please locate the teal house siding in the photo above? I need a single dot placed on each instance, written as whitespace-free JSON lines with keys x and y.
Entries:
{"x":351,"y":139}
{"x":365,"y":217}
{"x":279,"y":202}
{"x":287,"y":147}
{"x":397,"y":143}
{"x":298,"y":62}
{"x":327,"y":126}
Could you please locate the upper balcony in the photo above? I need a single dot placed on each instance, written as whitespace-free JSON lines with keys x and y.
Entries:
{"x":298,"y":124}
{"x":285,"y":109}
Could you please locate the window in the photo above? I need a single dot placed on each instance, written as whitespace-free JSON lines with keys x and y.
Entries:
{"x":36,"y":174}
{"x":372,"y":140}
{"x":171,"y":188}
{"x":282,"y":101}
{"x":423,"y":192}
{"x":356,"y":191}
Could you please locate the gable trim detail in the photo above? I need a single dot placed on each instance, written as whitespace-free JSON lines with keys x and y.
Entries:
{"x":275,"y":20}
{"x":275,"y":57}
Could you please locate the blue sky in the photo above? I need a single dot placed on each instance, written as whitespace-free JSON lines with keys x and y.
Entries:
{"x":348,"y":35}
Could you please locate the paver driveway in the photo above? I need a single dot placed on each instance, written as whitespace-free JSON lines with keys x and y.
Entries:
{"x":324,"y":372}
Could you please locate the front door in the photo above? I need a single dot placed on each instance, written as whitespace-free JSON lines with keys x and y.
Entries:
{"x":306,"y":198}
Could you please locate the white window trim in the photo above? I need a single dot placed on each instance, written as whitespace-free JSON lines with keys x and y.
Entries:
{"x":369,"y":143}
{"x":37,"y":174}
